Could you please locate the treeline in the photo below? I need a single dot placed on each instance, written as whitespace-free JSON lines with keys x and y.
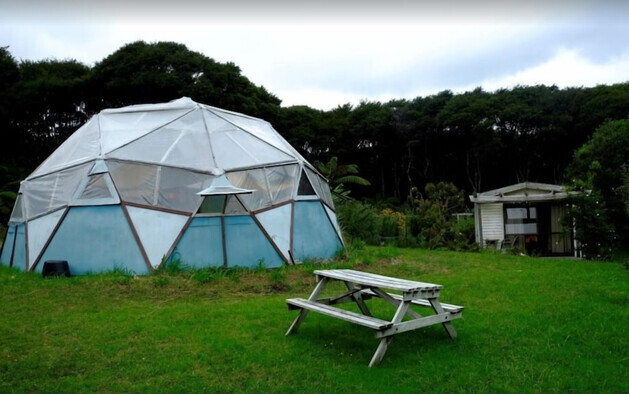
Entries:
{"x":476,"y":140}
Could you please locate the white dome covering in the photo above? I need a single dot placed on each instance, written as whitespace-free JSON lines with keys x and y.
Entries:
{"x":175,"y":166}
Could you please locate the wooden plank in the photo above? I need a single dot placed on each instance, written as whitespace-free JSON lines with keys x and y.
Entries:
{"x":446,"y":325}
{"x":349,"y":316}
{"x":417,"y":323}
{"x":421,"y":302}
{"x":374,"y":280}
{"x":384,"y":342}
{"x":395,"y":302}
{"x":357,"y":296}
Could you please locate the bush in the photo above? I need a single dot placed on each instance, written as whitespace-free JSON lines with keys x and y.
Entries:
{"x":464,"y":233}
{"x":358,"y":220}
{"x":593,"y":229}
{"x":431,"y":224}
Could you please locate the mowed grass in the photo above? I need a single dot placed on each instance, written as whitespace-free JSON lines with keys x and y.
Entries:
{"x":529,"y":325}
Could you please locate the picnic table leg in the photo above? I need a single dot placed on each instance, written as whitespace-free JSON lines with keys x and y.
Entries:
{"x":304,"y":312}
{"x":436,"y":305}
{"x":358,"y":298}
{"x":384,"y":342}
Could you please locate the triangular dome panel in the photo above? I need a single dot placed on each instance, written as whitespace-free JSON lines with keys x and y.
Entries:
{"x":98,"y":189}
{"x":277,"y":223}
{"x":120,"y":128}
{"x":182,"y":143}
{"x":39,"y":231}
{"x":157,"y":231}
{"x":234,"y":207}
{"x":100,"y":167}
{"x":258,"y":128}
{"x":234,"y":148}
{"x":81,"y":146}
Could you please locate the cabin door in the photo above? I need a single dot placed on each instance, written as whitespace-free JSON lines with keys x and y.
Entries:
{"x":560,"y":240}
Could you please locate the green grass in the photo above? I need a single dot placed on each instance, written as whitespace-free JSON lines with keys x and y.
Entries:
{"x":530,"y":325}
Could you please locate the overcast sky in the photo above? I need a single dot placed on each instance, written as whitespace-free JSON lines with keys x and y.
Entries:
{"x":327,"y":53}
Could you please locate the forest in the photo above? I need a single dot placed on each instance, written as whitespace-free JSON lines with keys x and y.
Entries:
{"x":472,"y":141}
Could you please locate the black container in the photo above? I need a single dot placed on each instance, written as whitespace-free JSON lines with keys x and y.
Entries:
{"x":56,"y":268}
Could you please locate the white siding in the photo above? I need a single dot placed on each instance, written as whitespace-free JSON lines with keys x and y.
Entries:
{"x":492,"y":222}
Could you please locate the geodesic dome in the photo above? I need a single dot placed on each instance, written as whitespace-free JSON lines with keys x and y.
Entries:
{"x":141,"y":185}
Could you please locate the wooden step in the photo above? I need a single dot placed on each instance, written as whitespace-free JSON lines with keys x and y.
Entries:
{"x":352,"y":317}
{"x":421,"y":302}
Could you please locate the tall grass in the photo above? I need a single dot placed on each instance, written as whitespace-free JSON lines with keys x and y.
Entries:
{"x":530,"y":325}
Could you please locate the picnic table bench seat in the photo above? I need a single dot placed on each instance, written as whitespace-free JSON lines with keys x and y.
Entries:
{"x":368,"y":321}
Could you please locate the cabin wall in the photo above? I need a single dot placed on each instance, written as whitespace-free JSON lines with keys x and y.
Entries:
{"x":492,"y":223}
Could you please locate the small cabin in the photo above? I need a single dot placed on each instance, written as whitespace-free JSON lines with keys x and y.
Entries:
{"x":525,"y":215}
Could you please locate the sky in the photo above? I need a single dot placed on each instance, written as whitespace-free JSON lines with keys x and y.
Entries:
{"x":328,"y":53}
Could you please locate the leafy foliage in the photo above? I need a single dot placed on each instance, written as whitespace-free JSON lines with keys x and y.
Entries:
{"x":359,"y":220}
{"x":158,"y":72}
{"x":339,"y":175}
{"x":600,"y":165}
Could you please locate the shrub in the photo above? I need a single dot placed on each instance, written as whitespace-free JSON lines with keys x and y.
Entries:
{"x":359,"y":221}
{"x":593,"y":228}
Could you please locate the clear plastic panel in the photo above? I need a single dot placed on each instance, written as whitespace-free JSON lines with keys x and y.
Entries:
{"x":135,"y":182}
{"x":314,"y":181}
{"x":96,"y":188}
{"x":234,"y":207}
{"x":166,"y":187}
{"x":17,"y":215}
{"x":182,"y":143}
{"x":81,"y":146}
{"x":321,"y":186}
{"x":178,"y":188}
{"x":281,"y":182}
{"x":258,"y":128}
{"x":254,"y":180}
{"x":325,"y":190}
{"x":100,"y":167}
{"x":235,"y":149}
{"x":118,"y":129}
{"x":53,"y":191}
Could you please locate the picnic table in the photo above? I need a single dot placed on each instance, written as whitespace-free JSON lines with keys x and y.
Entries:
{"x":362,"y":286}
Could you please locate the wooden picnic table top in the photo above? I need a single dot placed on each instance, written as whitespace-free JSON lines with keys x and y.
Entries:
{"x":374,"y":280}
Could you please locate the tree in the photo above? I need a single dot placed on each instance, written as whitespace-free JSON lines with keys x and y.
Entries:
{"x":9,"y":78}
{"x":159,"y":72}
{"x":50,"y":99}
{"x":600,"y":165}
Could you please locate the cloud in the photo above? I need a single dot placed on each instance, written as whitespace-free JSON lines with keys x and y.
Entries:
{"x":567,"y":68}
{"x":325,"y":54}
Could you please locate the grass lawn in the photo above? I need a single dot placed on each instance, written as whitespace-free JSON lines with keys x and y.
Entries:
{"x":530,"y":325}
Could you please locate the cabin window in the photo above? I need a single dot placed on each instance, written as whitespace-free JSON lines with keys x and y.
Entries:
{"x":520,"y":220}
